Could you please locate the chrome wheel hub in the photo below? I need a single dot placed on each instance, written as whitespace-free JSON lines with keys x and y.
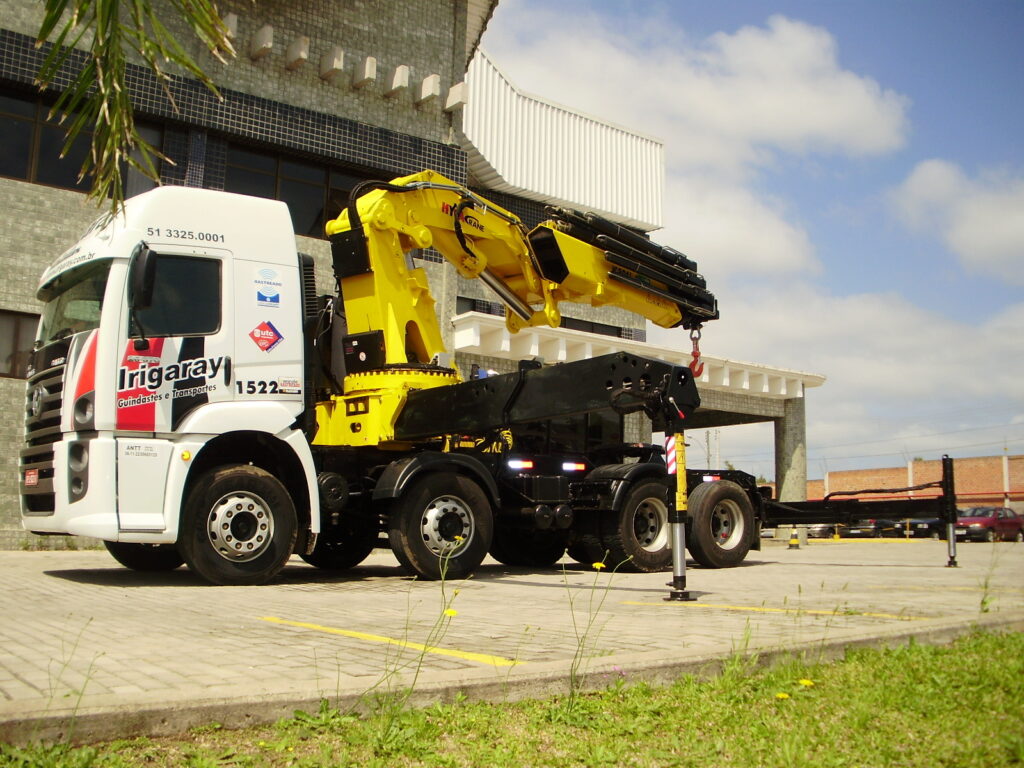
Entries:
{"x":727,"y":524}
{"x":650,"y":524}
{"x":240,"y":527}
{"x":446,"y":524}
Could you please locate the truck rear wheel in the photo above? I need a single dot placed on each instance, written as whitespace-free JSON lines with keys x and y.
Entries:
{"x":239,"y":526}
{"x":344,"y":546}
{"x":441,"y":527}
{"x":723,"y":522}
{"x":637,"y":536}
{"x":536,"y":549}
{"x":145,"y":557}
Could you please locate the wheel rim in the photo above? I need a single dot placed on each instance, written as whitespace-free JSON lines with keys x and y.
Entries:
{"x":240,"y":526}
{"x":727,"y":524}
{"x":446,"y":523}
{"x":650,"y":525}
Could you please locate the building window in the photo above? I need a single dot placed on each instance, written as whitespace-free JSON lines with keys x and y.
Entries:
{"x":17,"y":334}
{"x":31,"y":145}
{"x":315,"y":193}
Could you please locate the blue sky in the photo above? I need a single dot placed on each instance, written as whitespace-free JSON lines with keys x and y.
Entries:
{"x":850,"y":177}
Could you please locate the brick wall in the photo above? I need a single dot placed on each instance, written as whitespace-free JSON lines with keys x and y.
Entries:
{"x":979,"y":481}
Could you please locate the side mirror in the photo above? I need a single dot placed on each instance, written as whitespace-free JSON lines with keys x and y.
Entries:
{"x":141,"y":274}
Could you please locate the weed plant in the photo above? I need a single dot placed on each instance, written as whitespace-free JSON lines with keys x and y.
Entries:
{"x":915,"y":706}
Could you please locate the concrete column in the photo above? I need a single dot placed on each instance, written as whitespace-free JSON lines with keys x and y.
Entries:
{"x":791,"y":452}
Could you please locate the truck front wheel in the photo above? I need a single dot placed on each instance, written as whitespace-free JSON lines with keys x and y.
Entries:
{"x":238,"y":527}
{"x":723,"y":521}
{"x":145,"y":557}
{"x":637,"y":536}
{"x":441,"y":527}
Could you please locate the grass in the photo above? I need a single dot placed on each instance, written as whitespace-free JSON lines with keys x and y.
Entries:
{"x":927,"y":706}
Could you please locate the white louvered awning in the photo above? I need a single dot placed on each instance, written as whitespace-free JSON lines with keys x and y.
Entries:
{"x":527,"y":146}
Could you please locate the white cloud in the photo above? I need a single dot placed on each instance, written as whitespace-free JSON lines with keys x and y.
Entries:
{"x":980,"y":220}
{"x":726,"y":104}
{"x":729,"y":230}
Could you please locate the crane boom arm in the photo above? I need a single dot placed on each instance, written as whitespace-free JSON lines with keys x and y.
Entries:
{"x":572,"y":257}
{"x":393,"y":338}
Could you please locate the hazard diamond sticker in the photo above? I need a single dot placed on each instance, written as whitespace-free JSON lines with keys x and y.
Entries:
{"x":266,"y":336}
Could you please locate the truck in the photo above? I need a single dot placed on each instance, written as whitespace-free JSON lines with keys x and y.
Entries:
{"x":193,"y":398}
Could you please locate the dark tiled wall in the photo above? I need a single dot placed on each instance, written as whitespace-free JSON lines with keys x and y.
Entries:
{"x":241,"y":116}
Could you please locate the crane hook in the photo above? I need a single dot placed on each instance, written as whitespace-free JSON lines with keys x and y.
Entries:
{"x":695,"y":364}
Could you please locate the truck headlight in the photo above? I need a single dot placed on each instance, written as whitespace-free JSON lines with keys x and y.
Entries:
{"x":78,"y":457}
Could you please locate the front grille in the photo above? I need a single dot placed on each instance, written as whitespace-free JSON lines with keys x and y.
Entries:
{"x":42,"y":428}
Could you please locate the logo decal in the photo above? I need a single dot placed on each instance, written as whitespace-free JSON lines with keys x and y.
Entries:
{"x":268,"y":286}
{"x":266,"y":336}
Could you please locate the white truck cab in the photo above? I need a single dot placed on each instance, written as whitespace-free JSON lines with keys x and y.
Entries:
{"x":169,"y":331}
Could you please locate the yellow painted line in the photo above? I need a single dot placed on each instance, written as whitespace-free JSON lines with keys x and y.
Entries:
{"x":482,"y":658}
{"x":763,"y":609}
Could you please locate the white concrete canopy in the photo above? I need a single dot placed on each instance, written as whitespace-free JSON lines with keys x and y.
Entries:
{"x":482,"y":334}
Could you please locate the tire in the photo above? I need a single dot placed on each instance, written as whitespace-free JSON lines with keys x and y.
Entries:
{"x":427,"y":519}
{"x":990,"y":536}
{"x":239,"y":526}
{"x":935,"y":535}
{"x":637,"y":536}
{"x":526,"y":547}
{"x":345,"y":545}
{"x":723,"y":522}
{"x":1019,"y":537}
{"x":585,"y":545}
{"x":145,"y":557}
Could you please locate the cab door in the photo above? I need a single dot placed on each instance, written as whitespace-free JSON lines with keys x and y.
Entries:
{"x":178,"y":350}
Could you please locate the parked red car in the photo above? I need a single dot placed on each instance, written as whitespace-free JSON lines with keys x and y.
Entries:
{"x":989,"y":524}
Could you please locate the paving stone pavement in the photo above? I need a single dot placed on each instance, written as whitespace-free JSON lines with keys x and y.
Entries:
{"x":91,"y":650}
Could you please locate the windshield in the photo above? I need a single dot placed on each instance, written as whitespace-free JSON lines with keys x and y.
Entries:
{"x":73,"y":301}
{"x":976,"y":512}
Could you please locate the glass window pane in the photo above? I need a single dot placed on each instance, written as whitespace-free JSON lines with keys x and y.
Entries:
{"x":18,"y":105}
{"x":344,"y":180}
{"x":306,"y":203}
{"x":314,"y":174}
{"x":17,"y":335}
{"x":249,"y":158}
{"x":247,"y":182}
{"x":26,"y":340}
{"x":135,"y":182}
{"x":186,"y":298}
{"x":15,"y":146}
{"x":58,"y":171}
{"x":8,"y":323}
